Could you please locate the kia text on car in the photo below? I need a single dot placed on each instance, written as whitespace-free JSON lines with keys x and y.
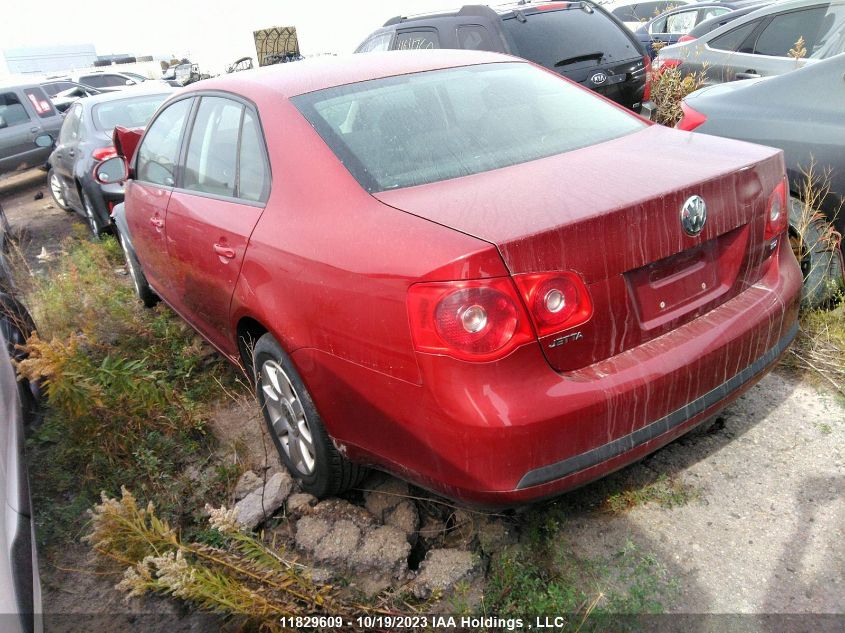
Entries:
{"x":421,"y":257}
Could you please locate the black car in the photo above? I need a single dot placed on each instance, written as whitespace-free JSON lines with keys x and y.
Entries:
{"x":800,"y":112}
{"x":677,"y":23}
{"x":579,"y":40}
{"x":86,"y":139}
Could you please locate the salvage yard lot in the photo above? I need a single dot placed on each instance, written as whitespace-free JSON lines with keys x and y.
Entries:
{"x":744,"y":515}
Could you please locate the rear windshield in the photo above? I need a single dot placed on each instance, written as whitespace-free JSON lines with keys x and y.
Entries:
{"x":134,"y":112}
{"x":425,"y":127}
{"x":559,"y":39}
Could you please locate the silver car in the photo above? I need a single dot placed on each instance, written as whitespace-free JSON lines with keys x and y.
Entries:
{"x":20,"y":587}
{"x":770,"y":41}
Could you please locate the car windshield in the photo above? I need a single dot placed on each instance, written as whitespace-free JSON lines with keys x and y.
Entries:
{"x":134,"y":112}
{"x":425,"y":127}
{"x":556,"y":39}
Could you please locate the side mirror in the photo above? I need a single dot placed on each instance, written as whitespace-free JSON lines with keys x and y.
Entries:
{"x":129,"y":82}
{"x":111,"y":171}
{"x":44,"y":140}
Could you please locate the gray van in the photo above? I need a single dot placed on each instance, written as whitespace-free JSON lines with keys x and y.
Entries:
{"x":26,"y":114}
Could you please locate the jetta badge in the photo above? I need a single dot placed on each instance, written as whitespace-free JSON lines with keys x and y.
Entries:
{"x":598,"y":78}
{"x":693,"y":215}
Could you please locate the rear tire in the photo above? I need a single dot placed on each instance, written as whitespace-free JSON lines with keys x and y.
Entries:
{"x":296,"y":427}
{"x":57,"y":190}
{"x":91,"y":216}
{"x":142,"y":287}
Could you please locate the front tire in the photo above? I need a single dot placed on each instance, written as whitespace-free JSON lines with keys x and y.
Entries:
{"x":295,"y":425}
{"x":142,"y":287}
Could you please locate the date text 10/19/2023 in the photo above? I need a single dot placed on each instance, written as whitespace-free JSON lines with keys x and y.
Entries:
{"x":426,"y":622}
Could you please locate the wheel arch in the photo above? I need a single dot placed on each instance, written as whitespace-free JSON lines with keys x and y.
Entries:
{"x":248,"y":330}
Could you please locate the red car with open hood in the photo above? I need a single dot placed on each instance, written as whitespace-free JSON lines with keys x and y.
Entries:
{"x":459,"y":267}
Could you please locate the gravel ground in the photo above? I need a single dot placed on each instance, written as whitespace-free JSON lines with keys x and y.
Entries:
{"x":765,"y":535}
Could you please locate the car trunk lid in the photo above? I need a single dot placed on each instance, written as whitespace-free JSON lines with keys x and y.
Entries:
{"x":612,"y":213}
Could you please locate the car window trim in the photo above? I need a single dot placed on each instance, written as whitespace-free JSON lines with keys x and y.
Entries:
{"x":183,"y":153}
{"x":134,"y":165}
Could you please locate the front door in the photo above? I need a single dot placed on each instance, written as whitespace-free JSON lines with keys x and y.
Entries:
{"x":148,"y":194}
{"x":212,"y":214}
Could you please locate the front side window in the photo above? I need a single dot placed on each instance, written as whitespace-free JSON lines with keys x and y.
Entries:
{"x":159,"y":151}
{"x":417,"y":40}
{"x":425,"y":127}
{"x":211,"y":165}
{"x":12,"y":112}
{"x":681,"y":22}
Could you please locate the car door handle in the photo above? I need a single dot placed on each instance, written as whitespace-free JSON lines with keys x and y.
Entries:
{"x":157,"y":222}
{"x":34,"y":130}
{"x":224,"y":251}
{"x":748,"y":74}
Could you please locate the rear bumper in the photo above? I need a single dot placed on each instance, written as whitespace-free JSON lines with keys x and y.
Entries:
{"x":515,"y":431}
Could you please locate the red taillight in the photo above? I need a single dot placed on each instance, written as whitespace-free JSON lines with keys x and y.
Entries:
{"x":647,"y":91}
{"x":662,"y":64}
{"x":686,"y":38}
{"x":691,"y":119}
{"x":777,"y":213}
{"x":104,"y":153}
{"x":471,"y":320}
{"x":557,"y":301}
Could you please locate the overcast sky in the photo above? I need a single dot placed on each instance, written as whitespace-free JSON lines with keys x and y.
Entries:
{"x":211,"y":32}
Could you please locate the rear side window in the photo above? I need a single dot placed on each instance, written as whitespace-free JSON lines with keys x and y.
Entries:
{"x":12,"y":112}
{"x":380,"y":42}
{"x":56,"y":87}
{"x":70,"y":126}
{"x":784,"y":31}
{"x":559,"y":39}
{"x":104,"y":81}
{"x":733,"y":39}
{"x":475,"y":38}
{"x":134,"y":112}
{"x":159,"y":151}
{"x":253,"y":177}
{"x":211,"y":165}
{"x":426,"y":127}
{"x":417,"y":40}
{"x":40,"y":103}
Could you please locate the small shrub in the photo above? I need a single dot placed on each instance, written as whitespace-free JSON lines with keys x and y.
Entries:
{"x":669,"y":86}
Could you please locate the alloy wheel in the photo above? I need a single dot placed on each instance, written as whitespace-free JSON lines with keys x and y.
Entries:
{"x":287,"y":417}
{"x":56,"y":189}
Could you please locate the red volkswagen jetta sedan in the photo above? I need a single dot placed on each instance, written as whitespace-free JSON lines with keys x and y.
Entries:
{"x":459,"y":267}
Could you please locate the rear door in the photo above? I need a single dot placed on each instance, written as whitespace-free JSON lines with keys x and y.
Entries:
{"x":147,"y":195}
{"x":65,"y":154}
{"x":223,"y":190}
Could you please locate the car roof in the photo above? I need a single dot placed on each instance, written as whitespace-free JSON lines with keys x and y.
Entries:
{"x":318,"y":73}
{"x":129,"y":93}
{"x":481,"y":10}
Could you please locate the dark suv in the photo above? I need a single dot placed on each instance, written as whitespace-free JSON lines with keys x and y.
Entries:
{"x":579,"y":40}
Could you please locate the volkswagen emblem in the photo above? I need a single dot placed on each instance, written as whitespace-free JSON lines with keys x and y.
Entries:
{"x":693,"y":215}
{"x":598,"y":78}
